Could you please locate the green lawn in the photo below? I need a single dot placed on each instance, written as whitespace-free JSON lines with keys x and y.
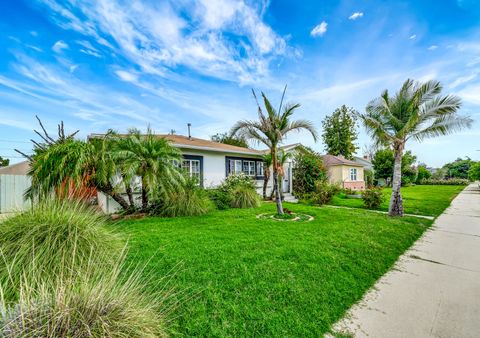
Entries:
{"x":429,"y":200}
{"x":240,"y":276}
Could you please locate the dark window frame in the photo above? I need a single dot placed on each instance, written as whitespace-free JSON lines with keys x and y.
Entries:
{"x":255,"y":160}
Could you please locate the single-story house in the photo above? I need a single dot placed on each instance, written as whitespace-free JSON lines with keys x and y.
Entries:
{"x":212,"y":162}
{"x":348,"y":174}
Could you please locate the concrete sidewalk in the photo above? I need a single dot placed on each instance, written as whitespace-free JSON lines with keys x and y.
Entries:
{"x":434,"y":291}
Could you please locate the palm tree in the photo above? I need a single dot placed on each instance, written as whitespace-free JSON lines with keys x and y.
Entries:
{"x":152,"y":159}
{"x":267,"y":163}
{"x":270,"y":129}
{"x":282,"y":159}
{"x":86,"y":164}
{"x":417,"y":111}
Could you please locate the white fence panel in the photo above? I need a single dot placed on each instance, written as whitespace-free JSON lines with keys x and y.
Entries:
{"x":12,"y":188}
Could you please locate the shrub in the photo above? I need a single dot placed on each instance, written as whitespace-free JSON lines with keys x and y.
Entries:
{"x":92,"y":304}
{"x":237,"y":191}
{"x":373,"y":198}
{"x":308,"y":170}
{"x":233,"y":181}
{"x":369,"y":177}
{"x":189,"y":200}
{"x":220,"y":198}
{"x":474,"y":172}
{"x":52,"y":237}
{"x":244,"y":197}
{"x":452,"y":181}
{"x":423,"y":174}
{"x":324,"y":193}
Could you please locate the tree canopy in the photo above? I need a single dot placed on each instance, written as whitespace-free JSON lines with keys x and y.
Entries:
{"x":225,"y":138}
{"x":339,"y":132}
{"x":4,"y":162}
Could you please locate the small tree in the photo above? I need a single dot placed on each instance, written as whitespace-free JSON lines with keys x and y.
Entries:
{"x":417,"y":111}
{"x":270,"y":129}
{"x":474,"y":172}
{"x":231,"y":140}
{"x":339,"y":132}
{"x":308,"y":170}
{"x":458,"y":168}
{"x":423,"y":174}
{"x":383,"y":164}
{"x":4,"y":162}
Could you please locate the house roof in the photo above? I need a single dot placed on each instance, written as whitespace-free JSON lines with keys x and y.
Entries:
{"x":331,"y":160}
{"x":20,"y":168}
{"x":181,"y":141}
{"x":184,"y":142}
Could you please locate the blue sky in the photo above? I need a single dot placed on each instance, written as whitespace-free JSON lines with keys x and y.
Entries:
{"x":119,"y":64}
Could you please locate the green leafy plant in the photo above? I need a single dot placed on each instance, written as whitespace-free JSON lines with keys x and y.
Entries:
{"x":220,"y":198}
{"x":52,"y":237}
{"x":474,"y":172}
{"x":373,"y":198}
{"x":323,"y":193}
{"x":308,"y":170}
{"x":423,"y":174}
{"x":339,"y":132}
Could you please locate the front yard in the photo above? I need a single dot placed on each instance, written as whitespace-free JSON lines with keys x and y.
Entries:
{"x":428,"y":200}
{"x":236,"y":275}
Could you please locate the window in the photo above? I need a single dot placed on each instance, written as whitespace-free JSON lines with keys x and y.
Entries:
{"x":192,"y":167}
{"x":353,"y":174}
{"x":259,"y":168}
{"x":234,"y":167}
{"x":249,"y":168}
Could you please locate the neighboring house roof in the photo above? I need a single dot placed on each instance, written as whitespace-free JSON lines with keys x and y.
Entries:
{"x":20,"y":168}
{"x":287,"y":147}
{"x":363,"y":161}
{"x":185,"y":142}
{"x":331,"y":160}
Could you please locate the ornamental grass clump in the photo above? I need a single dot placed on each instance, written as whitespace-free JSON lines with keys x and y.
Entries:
{"x":51,"y":238}
{"x":92,"y":304}
{"x":190,"y":200}
{"x":240,"y":191}
{"x":244,"y":197}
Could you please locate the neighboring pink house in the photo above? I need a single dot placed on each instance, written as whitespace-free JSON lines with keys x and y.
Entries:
{"x":348,"y":174}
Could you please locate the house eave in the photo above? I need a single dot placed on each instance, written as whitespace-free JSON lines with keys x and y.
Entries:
{"x":217,"y":150}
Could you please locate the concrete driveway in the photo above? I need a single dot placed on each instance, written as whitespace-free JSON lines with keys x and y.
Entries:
{"x":434,"y":291}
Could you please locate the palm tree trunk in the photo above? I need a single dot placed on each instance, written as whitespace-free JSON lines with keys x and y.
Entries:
{"x":109,"y":191}
{"x":266,"y":177}
{"x":144,"y":194}
{"x":128,"y":189}
{"x":276,"y":183}
{"x":396,"y":203}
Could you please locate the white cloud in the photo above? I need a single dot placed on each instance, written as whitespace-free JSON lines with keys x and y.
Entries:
{"x":356,"y":15}
{"x":319,"y":30}
{"x":432,"y":47}
{"x":413,"y":37}
{"x":59,"y":46}
{"x":34,"y":33}
{"x":72,"y":68}
{"x":126,"y":76}
{"x":158,"y":37}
